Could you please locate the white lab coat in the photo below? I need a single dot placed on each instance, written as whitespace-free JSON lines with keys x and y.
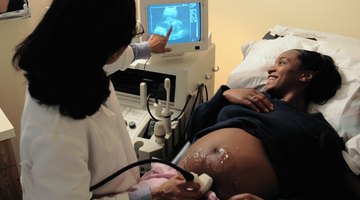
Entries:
{"x":61,"y":157}
{"x":122,"y":63}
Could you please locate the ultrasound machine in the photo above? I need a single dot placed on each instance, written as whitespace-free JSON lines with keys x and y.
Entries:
{"x":157,"y":95}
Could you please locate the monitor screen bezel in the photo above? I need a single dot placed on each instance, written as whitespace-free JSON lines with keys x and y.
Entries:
{"x":180,"y":48}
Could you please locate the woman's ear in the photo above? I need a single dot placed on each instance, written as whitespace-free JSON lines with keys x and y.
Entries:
{"x":307,"y":76}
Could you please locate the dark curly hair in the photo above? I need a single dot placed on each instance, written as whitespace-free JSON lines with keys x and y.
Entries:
{"x":63,"y":57}
{"x":327,"y":79}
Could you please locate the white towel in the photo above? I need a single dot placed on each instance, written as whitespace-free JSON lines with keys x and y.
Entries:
{"x":352,"y":154}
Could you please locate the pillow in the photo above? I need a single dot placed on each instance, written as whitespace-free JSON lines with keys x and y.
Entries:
{"x":338,"y":40}
{"x":349,"y":122}
{"x":259,"y":55}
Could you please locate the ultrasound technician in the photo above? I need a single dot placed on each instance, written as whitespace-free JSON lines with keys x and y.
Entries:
{"x":73,"y":133}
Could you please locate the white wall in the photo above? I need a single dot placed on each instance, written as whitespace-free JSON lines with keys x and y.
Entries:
{"x":12,"y":82}
{"x":235,"y":22}
{"x":232,"y":23}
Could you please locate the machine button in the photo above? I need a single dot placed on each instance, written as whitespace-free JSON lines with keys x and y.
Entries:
{"x":132,"y":124}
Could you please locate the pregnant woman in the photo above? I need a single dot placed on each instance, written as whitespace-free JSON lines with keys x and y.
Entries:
{"x":265,"y":143}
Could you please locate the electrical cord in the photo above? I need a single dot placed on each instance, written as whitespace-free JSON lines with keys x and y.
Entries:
{"x":197,"y":96}
{"x":207,"y":93}
{"x":188,"y":100}
{"x":187,"y":175}
{"x":146,"y":61}
{"x":199,"y":90}
{"x":148,"y":108}
{"x":201,"y":99}
{"x":183,"y":110}
{"x":176,"y":118}
{"x":194,"y":104}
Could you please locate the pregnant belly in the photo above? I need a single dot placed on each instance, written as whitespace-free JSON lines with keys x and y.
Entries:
{"x":235,"y":160}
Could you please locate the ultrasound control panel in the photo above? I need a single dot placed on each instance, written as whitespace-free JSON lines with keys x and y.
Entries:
{"x":136,"y":119}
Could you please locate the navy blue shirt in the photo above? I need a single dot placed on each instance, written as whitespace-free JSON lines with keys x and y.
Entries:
{"x":303,"y":148}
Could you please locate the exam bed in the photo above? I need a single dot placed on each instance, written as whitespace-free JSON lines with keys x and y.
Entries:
{"x":342,"y":111}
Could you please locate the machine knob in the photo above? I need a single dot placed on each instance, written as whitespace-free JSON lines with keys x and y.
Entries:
{"x":132,"y":124}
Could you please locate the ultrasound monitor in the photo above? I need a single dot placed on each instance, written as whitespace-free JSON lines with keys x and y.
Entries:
{"x":189,"y":19}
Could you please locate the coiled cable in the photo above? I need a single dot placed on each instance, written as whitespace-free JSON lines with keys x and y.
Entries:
{"x":187,"y":175}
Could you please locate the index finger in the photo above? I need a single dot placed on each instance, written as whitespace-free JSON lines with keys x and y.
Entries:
{"x":169,"y":32}
{"x":265,"y":101}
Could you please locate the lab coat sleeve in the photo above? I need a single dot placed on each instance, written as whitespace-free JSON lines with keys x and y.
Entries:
{"x":142,"y":193}
{"x":141,"y":50}
{"x":122,"y":62}
{"x":133,"y":52}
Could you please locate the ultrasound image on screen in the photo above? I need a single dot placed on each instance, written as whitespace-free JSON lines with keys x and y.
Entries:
{"x":183,"y":17}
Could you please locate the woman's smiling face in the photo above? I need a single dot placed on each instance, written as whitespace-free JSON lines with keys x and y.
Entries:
{"x":284,"y":75}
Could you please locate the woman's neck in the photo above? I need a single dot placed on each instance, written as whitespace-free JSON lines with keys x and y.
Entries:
{"x":297,"y":101}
